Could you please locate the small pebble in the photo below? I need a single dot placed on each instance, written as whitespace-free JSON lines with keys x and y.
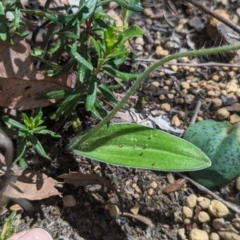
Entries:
{"x":153,"y":185}
{"x":203,"y":202}
{"x":150,"y":191}
{"x":231,"y":86}
{"x":174,"y":68}
{"x":161,"y":52}
{"x":162,"y":97}
{"x":155,"y":84}
{"x":178,"y":217}
{"x":222,"y":114}
{"x":236,"y":223}
{"x":148,"y":12}
{"x":170,"y":178}
{"x":166,"y":107}
{"x":135,"y":209}
{"x":218,"y":223}
{"x":214,"y":236}
{"x":215,"y":77}
{"x":238,"y":92}
{"x":206,"y":228}
{"x":211,"y":93}
{"x":238,"y":183}
{"x":181,"y":233}
{"x":197,"y":234}
{"x":217,"y":102}
{"x":187,"y":212}
{"x":69,"y":201}
{"x":234,"y":118}
{"x":185,"y":85}
{"x":139,"y":41}
{"x":113,"y":210}
{"x":203,"y":217}
{"x":189,"y":98}
{"x":218,"y":209}
{"x":170,"y":95}
{"x":175,"y":121}
{"x":191,"y":200}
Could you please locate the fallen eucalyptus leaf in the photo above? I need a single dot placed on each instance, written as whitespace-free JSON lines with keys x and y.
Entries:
{"x":133,"y":145}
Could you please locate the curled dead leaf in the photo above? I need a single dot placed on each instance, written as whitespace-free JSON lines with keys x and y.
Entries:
{"x":177,"y":185}
{"x":31,"y":185}
{"x":80,"y":179}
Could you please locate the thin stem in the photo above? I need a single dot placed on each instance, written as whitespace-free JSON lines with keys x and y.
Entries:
{"x":82,"y":138}
{"x":227,"y":22}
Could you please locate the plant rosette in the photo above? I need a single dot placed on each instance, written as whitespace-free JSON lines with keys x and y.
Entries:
{"x":220,"y":141}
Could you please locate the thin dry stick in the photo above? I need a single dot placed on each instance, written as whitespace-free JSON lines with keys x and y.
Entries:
{"x":196,"y":110}
{"x":208,"y":64}
{"x":227,"y":22}
{"x":206,"y":190}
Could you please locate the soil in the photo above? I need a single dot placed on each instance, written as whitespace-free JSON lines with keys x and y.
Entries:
{"x":171,"y":92}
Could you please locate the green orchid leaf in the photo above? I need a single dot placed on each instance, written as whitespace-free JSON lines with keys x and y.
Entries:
{"x":133,"y":145}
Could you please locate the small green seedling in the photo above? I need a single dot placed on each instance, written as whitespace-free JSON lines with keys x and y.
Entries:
{"x":8,"y":228}
{"x":26,"y":132}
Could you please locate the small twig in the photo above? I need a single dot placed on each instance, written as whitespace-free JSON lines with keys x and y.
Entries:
{"x":206,"y":190}
{"x":227,"y":22}
{"x":208,"y":64}
{"x":196,"y":110}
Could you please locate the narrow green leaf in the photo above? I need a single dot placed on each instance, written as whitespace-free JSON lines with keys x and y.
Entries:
{"x":133,"y":31}
{"x":84,"y":12}
{"x":126,"y":4}
{"x":107,"y":94}
{"x":45,"y":131}
{"x":118,"y":53}
{"x":137,"y":146}
{"x":91,"y":95}
{"x":97,"y":47}
{"x":11,"y":122}
{"x":68,"y":34}
{"x":98,"y":110}
{"x":67,"y":103}
{"x":56,"y":94}
{"x":21,"y":148}
{"x":3,"y":23}
{"x":81,"y":60}
{"x":38,"y":146}
{"x":109,"y":70}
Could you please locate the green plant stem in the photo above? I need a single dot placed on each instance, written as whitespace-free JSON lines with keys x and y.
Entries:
{"x":82,"y":138}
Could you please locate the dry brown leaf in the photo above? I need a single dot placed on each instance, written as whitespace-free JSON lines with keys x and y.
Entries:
{"x":139,"y":217}
{"x":80,"y":179}
{"x":20,"y":80}
{"x":234,"y":108}
{"x":21,"y":94}
{"x":177,"y":185}
{"x":32,"y":185}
